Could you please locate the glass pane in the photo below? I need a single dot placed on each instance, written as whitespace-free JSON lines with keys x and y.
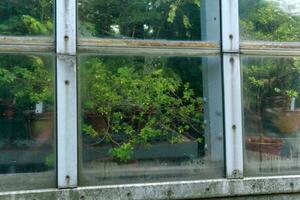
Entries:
{"x":271,"y":115}
{"x":146,"y":19}
{"x":142,"y":119}
{"x":26,"y":17}
{"x":270,"y":20}
{"x":27,"y":142}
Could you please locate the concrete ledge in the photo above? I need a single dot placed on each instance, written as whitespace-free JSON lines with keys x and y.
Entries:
{"x":286,"y":187}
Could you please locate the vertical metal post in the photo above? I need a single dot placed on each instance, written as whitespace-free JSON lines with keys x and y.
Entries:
{"x":233,"y":115}
{"x":230,"y":26}
{"x":66,"y":94}
{"x":212,"y":82}
{"x":232,"y":89}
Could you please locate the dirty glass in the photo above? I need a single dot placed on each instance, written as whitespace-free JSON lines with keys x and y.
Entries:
{"x":26,"y":17}
{"x":270,"y":20}
{"x":27,"y":141}
{"x":145,"y":119}
{"x":271,"y":87}
{"x":142,"y":19}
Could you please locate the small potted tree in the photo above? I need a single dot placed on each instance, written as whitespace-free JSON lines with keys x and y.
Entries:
{"x":25,"y":86}
{"x":286,"y":117}
{"x":138,"y":109}
{"x":271,"y":90}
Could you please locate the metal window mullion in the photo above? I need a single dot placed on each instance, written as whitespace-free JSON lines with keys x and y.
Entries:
{"x":233,"y":115}
{"x":230,"y":26}
{"x":67,"y":167}
{"x":212,"y":83}
{"x":232,"y":89}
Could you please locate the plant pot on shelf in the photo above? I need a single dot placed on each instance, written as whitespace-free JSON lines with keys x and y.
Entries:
{"x":264,"y":144}
{"x":7,"y":108}
{"x":9,"y":112}
{"x":285,"y":121}
{"x":95,"y":120}
{"x":39,"y":126}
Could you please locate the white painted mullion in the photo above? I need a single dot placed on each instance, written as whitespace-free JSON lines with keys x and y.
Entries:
{"x":67,"y":163}
{"x":232,"y":89}
{"x":233,"y":115}
{"x":230,"y":26}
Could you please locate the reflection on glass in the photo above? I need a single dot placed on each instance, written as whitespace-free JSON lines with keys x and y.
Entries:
{"x":270,"y":20}
{"x":142,"y":120}
{"x":271,"y":115}
{"x":26,"y":17}
{"x":142,"y":19}
{"x":26,"y":122}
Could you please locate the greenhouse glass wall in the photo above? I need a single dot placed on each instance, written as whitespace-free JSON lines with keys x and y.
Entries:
{"x":149,"y":99}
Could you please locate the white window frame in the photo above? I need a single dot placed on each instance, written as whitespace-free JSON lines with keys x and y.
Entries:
{"x":230,"y":48}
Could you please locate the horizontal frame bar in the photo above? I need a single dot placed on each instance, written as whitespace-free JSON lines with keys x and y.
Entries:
{"x":171,"y":190}
{"x":147,"y":51}
{"x":26,"y":48}
{"x":147,"y":43}
{"x":26,"y":44}
{"x":46,"y":44}
{"x":23,"y":40}
{"x":147,"y":47}
{"x":270,"y":48}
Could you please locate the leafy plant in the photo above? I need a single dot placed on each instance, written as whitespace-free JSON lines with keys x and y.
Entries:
{"x":24,"y":18}
{"x":264,"y":20}
{"x":139,"y":107}
{"x":267,"y":78}
{"x":24,"y":82}
{"x":144,"y":19}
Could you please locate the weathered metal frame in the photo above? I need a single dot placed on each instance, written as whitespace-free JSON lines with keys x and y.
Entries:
{"x":147,"y":47}
{"x":233,"y":115}
{"x":97,"y":45}
{"x":230,"y":26}
{"x":230,"y":48}
{"x":270,"y":48}
{"x":66,"y":88}
{"x":232,"y":89}
{"x":148,"y":51}
{"x":26,"y":44}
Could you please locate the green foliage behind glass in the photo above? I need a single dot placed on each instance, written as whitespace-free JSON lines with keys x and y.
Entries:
{"x":24,"y":80}
{"x":27,"y":17}
{"x":144,"y":19}
{"x":269,"y":78}
{"x":266,"y":20}
{"x":141,"y":101}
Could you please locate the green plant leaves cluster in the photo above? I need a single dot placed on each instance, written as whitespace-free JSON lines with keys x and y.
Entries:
{"x":24,"y":81}
{"x":139,"y":106}
{"x":29,"y":17}
{"x":144,"y":19}
{"x":265,"y":20}
{"x":269,"y":78}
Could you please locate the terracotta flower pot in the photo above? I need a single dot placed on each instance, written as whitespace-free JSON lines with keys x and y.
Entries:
{"x":9,"y":112}
{"x":287,"y":122}
{"x":40,"y":126}
{"x":264,"y":144}
{"x":95,"y":120}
